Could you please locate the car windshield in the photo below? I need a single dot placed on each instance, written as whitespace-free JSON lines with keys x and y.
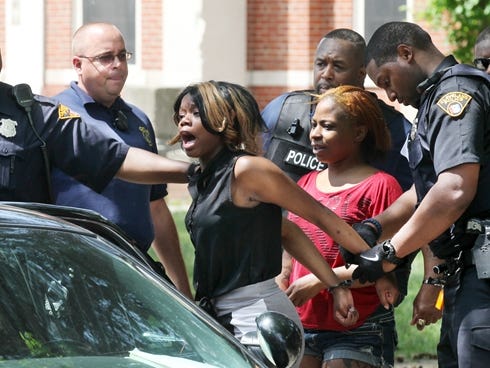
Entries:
{"x":69,"y":295}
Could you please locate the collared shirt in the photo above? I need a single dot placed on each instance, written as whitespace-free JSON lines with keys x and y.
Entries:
{"x":125,"y":204}
{"x":452,"y":127}
{"x":23,"y":173}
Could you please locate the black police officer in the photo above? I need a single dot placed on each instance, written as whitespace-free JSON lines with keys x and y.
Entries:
{"x":449,"y":152}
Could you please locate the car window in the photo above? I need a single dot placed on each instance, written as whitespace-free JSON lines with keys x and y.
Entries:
{"x":65,"y":294}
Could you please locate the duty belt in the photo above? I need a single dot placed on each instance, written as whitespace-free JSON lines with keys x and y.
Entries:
{"x":478,"y":255}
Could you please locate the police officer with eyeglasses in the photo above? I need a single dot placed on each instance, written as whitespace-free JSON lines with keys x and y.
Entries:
{"x":482,"y":51}
{"x":38,"y":133}
{"x":100,"y":60}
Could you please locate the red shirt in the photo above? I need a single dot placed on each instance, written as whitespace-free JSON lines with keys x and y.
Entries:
{"x":362,"y":201}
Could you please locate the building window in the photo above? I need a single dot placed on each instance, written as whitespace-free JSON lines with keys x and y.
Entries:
{"x":119,"y":12}
{"x":378,"y":12}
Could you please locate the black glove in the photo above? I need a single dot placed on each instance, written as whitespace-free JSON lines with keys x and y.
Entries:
{"x":367,"y":232}
{"x":401,"y":274}
{"x":348,"y":257}
{"x":370,"y":265}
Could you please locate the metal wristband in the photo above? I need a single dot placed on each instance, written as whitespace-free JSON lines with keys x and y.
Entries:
{"x":434,"y":281}
{"x":375,"y":223}
{"x":343,"y":284}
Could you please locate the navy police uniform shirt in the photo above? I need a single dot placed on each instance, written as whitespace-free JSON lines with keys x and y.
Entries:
{"x":394,"y":163}
{"x":126,"y":204}
{"x":452,"y":127}
{"x":23,"y":175}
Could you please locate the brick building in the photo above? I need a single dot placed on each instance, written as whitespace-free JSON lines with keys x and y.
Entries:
{"x":266,"y":45}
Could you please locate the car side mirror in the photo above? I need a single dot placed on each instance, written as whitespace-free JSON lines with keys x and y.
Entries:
{"x":279,"y":338}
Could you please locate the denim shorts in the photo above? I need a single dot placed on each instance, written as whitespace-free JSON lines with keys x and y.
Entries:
{"x":366,"y":343}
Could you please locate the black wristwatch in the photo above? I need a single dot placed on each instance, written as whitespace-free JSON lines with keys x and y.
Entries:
{"x":390,"y":253}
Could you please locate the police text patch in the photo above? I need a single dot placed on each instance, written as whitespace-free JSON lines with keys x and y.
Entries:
{"x":64,"y":112}
{"x":454,"y":103}
{"x":304,"y":160}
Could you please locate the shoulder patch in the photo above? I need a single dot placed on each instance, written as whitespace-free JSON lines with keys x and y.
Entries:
{"x":64,"y":112}
{"x":454,"y":103}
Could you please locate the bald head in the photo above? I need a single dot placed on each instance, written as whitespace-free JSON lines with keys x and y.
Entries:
{"x":88,"y":35}
{"x":100,"y":60}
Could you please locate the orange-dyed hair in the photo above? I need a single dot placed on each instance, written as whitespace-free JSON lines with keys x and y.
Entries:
{"x":361,"y":107}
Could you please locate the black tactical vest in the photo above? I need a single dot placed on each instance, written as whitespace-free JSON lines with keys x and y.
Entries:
{"x":290,"y":146}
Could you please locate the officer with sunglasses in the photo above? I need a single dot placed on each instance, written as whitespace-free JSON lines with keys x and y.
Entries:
{"x":100,"y":60}
{"x":482,"y":51}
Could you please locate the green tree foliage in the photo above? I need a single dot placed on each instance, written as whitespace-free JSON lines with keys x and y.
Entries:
{"x":462,"y":20}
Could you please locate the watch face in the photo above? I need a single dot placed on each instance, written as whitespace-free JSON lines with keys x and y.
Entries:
{"x":388,"y":249}
{"x":390,"y":253}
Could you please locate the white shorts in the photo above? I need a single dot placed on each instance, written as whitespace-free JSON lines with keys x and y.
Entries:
{"x":245,"y":304}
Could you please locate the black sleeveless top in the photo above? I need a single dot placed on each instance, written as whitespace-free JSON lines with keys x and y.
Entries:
{"x":235,"y":246}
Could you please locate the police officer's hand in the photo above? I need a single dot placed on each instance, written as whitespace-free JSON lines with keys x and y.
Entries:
{"x":424,"y":309}
{"x":367,"y":232}
{"x":348,"y":257}
{"x":370,"y":265}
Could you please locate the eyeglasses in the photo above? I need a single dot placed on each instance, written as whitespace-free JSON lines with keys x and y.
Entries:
{"x":482,"y":63}
{"x":108,"y":59}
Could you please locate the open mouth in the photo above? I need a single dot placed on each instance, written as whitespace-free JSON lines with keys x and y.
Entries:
{"x":187,"y":139}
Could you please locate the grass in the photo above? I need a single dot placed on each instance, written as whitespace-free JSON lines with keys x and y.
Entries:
{"x":412,"y":343}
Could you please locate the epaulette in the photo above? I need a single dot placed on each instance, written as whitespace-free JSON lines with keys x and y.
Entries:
{"x":454,"y":103}
{"x":45,"y":101}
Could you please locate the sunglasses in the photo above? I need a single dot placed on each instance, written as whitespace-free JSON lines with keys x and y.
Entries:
{"x":108,"y":59}
{"x":482,"y":63}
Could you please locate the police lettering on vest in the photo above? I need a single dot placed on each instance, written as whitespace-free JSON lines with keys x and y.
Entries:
{"x":290,"y":147}
{"x":303,"y":159}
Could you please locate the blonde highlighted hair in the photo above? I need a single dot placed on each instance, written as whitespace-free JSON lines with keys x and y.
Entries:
{"x":228,"y":110}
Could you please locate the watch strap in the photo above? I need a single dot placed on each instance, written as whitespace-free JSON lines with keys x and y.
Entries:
{"x":390,"y":253}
